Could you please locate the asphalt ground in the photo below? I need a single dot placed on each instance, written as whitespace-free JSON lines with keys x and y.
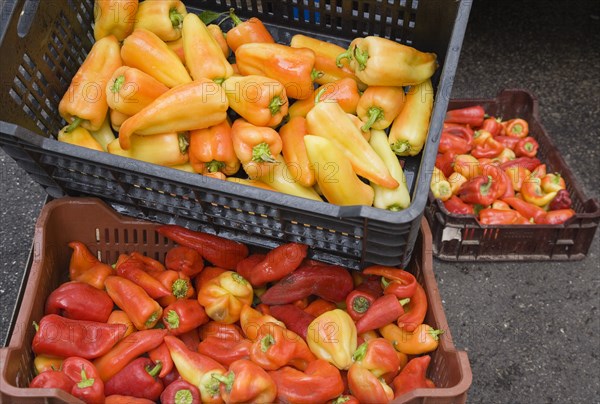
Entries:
{"x":531,"y":329}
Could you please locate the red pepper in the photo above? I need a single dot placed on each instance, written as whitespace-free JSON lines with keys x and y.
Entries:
{"x":190,"y":339}
{"x":217,"y":250}
{"x":464,"y":132}
{"x":247,"y":382}
{"x":179,"y":285}
{"x":517,"y":128}
{"x":126,"y":350}
{"x":558,"y":216}
{"x":378,"y":356}
{"x":321,"y":381}
{"x":249,"y":31}
{"x":59,"y":336}
{"x":562,"y":200}
{"x":161,"y":354}
{"x":396,"y":281}
{"x":414,"y":311}
{"x":480,"y":137}
{"x":277,"y":346}
{"x":481,"y":190}
{"x":526,"y":209}
{"x":492,"y":216}
{"x":451,"y":142}
{"x":489,"y":149}
{"x":138,"y":379}
{"x":330,"y":282}
{"x":180,"y":392}
{"x":172,"y":376}
{"x":184,"y":315}
{"x":319,"y":306}
{"x":143,"y":311}
{"x":530,"y":163}
{"x":358,"y":303}
{"x":225,"y":351}
{"x":185,"y":260}
{"x":133,"y":269}
{"x":81,"y":261}
{"x":231,"y":332}
{"x":445,"y":162}
{"x":88,"y":386}
{"x":527,"y":147}
{"x":539,"y":172}
{"x":150,"y":264}
{"x":293,"y":317}
{"x":413,"y":376}
{"x":367,"y":387}
{"x":492,"y":125}
{"x":245,"y":266}
{"x":384,"y":310}
{"x":473,"y":116}
{"x":553,"y":182}
{"x":501,"y":179}
{"x":79,"y":301}
{"x":507,"y":141}
{"x":532,"y":192}
{"x":278,"y":263}
{"x":456,"y":206}
{"x":52,"y":379}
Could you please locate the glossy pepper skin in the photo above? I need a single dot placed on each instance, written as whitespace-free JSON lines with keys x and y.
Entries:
{"x":250,"y":31}
{"x":529,"y":163}
{"x":197,"y":369}
{"x":294,"y":318}
{"x":165,"y":115}
{"x":456,"y":206}
{"x":384,"y":310}
{"x":319,"y":306}
{"x":517,"y":128}
{"x":120,"y":317}
{"x":379,"y":357}
{"x":358,"y":302}
{"x":88,"y":386}
{"x":409,"y":130}
{"x":319,"y":382}
{"x":292,"y":67}
{"x":532,"y":192}
{"x":379,"y":106}
{"x":558,"y":216}
{"x":163,"y":18}
{"x":414,"y":310}
{"x":251,"y":320}
{"x":294,"y":151}
{"x":246,"y":382}
{"x":225,"y":351}
{"x":180,"y":392}
{"x":413,"y":376}
{"x":562,"y":200}
{"x":440,"y":186}
{"x":526,"y":209}
{"x":526,"y":147}
{"x":422,"y":340}
{"x":276,"y":346}
{"x":203,"y":56}
{"x":397,"y":282}
{"x":52,"y":379}
{"x":84,"y":102}
{"x":132,"y":269}
{"x":59,"y":336}
{"x":253,"y":143}
{"x":325,"y":60}
{"x":378,"y":61}
{"x":279,"y":262}
{"x":343,"y":91}
{"x":138,"y":379}
{"x":183,"y":315}
{"x":491,"y":216}
{"x":211,"y":150}
{"x":553,"y":182}
{"x":224,"y":296}
{"x":43,"y":363}
{"x":179,"y":285}
{"x":148,"y":53}
{"x":161,"y":354}
{"x":79,"y":137}
{"x":335,"y":174}
{"x":330,"y":282}
{"x":143,"y":311}
{"x":504,"y":186}
{"x":260,"y":100}
{"x":332,"y":336}
{"x":114,"y":17}
{"x":480,"y":190}
{"x":329,"y":121}
{"x":394,"y":199}
{"x":129,"y":90}
{"x":368,"y":388}
{"x":473,"y":116}
{"x":185,"y":260}
{"x":451,"y":142}
{"x":79,"y":301}
{"x":217,"y":250}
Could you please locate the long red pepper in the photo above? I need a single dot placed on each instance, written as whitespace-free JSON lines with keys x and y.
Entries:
{"x":293,"y":317}
{"x":278,"y":263}
{"x":161,"y":354}
{"x":530,"y":163}
{"x":138,"y":379}
{"x":384,"y":310}
{"x":457,"y":206}
{"x":413,"y":376}
{"x":133,"y":269}
{"x":414,"y":311}
{"x":399,"y":282}
{"x":528,"y":210}
{"x":217,"y":250}
{"x":473,"y":116}
{"x":225,"y":351}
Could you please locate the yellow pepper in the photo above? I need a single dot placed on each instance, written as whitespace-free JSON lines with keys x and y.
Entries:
{"x":42,"y":363}
{"x":294,"y":151}
{"x":114,"y":17}
{"x":422,"y":340}
{"x":166,"y":149}
{"x":79,"y":137}
{"x":162,"y":17}
{"x":224,"y":296}
{"x":117,"y":118}
{"x":332,"y":337}
{"x":456,"y":180}
{"x":252,"y":183}
{"x":251,"y":320}
{"x":130,"y":90}
{"x":440,"y":187}
{"x":104,"y":135}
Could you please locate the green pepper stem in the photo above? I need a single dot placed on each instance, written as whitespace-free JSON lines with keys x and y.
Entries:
{"x":239,"y":278}
{"x":404,"y":301}
{"x":344,"y":55}
{"x":184,"y":396}
{"x":36,"y":326}
{"x":360,"y":304}
{"x":262,"y":153}
{"x":375,"y":114}
{"x":361,"y":56}
{"x":117,"y":84}
{"x":236,"y":20}
{"x":219,"y":81}
{"x":214,"y":166}
{"x":85,"y":382}
{"x":360,"y":352}
{"x":275,"y":105}
{"x":76,"y":122}
{"x":319,"y":95}
{"x":227,"y":380}
{"x":400,"y":147}
{"x":184,"y":143}
{"x":435,"y":334}
{"x":266,"y":342}
{"x":176,"y":18}
{"x":316,"y":74}
{"x":152,"y":319}
{"x":155,"y":370}
{"x":172,"y":319}
{"x":484,"y":189}
{"x":179,"y":288}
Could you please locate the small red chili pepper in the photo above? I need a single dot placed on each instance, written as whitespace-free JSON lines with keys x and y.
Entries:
{"x":383,"y":311}
{"x":457,"y":206}
{"x":481,"y":190}
{"x":184,"y":315}
{"x":138,"y":379}
{"x":526,"y":209}
{"x":180,"y":392}
{"x":562,"y":200}
{"x":527,"y":147}
{"x":396,"y":281}
{"x":517,"y":127}
{"x":88,"y":386}
{"x":217,"y":250}
{"x":492,"y":125}
{"x":413,"y":376}
{"x":530,"y":163}
{"x":451,"y":142}
{"x":489,"y":149}
{"x":185,"y":260}
{"x":414,"y":311}
{"x":358,"y":303}
{"x":225,"y":351}
{"x":508,"y":141}
{"x":558,"y":216}
{"x":473,"y":116}
{"x":294,"y":318}
{"x":278,"y":263}
{"x":161,"y":354}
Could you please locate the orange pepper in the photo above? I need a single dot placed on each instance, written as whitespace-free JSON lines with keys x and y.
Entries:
{"x":177,"y":47}
{"x":379,"y":106}
{"x":251,"y":320}
{"x":219,"y":37}
{"x":79,"y":137}
{"x":224,"y":296}
{"x":114,"y":17}
{"x":344,"y":91}
{"x":120,"y":317}
{"x":164,"y":18}
{"x":249,"y":31}
{"x":129,"y":90}
{"x":211,"y":150}
{"x":255,"y":143}
{"x":319,"y":306}
{"x":117,"y":118}
{"x":294,"y":151}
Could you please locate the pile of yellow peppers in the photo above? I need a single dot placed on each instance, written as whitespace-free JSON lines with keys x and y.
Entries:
{"x":310,"y":119}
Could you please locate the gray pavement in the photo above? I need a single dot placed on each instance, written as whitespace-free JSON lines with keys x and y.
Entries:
{"x":532,"y":330}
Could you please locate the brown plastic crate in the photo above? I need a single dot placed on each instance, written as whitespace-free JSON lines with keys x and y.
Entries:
{"x":109,"y":234}
{"x":463,"y":238}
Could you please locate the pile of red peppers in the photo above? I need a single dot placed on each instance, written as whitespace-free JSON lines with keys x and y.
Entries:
{"x":488,"y":167}
{"x":213,"y":322}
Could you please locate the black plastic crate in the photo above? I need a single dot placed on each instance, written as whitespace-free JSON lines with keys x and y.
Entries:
{"x":43,"y":44}
{"x":463,"y":238}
